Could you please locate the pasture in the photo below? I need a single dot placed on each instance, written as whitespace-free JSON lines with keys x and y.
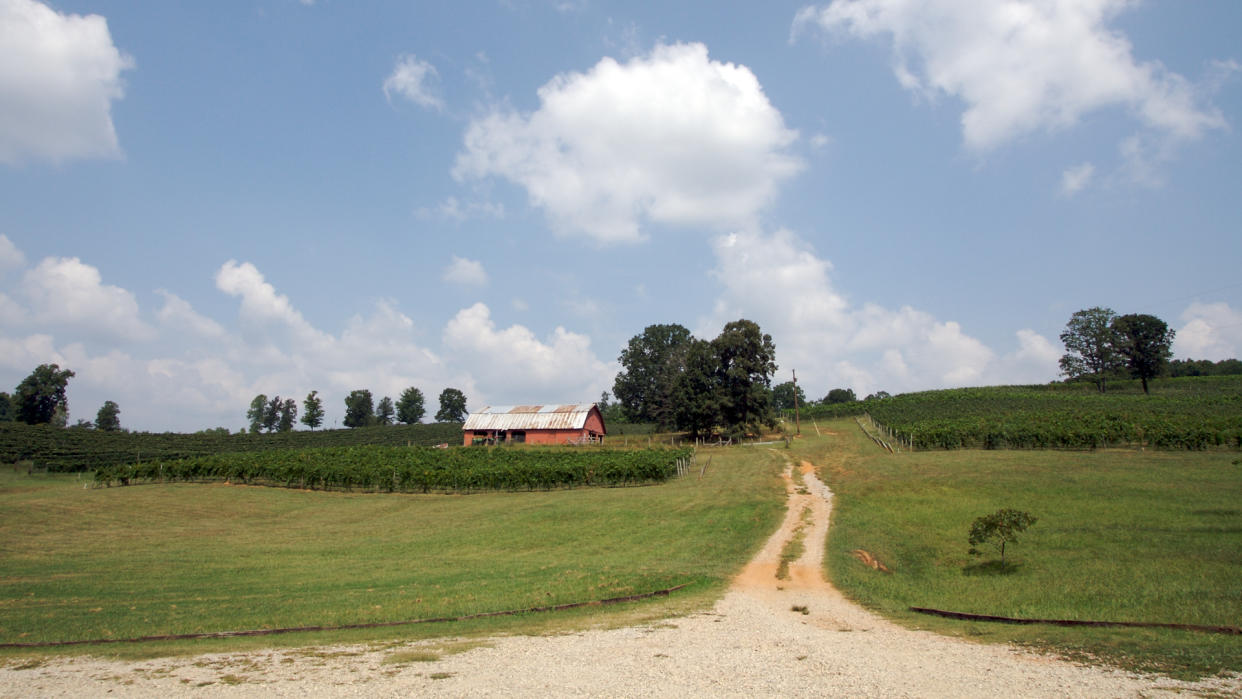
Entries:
{"x":1123,"y":535}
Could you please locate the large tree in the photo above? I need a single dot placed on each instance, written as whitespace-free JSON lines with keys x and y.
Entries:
{"x":1145,"y":342}
{"x":697,"y":392}
{"x":359,"y":408}
{"x":840,"y":395}
{"x":747,"y":362}
{"x":8,"y":411}
{"x":452,"y":406}
{"x":107,"y":418}
{"x":1091,"y":346}
{"x":650,"y":365}
{"x":41,"y":395}
{"x":384,"y":411}
{"x":258,"y":408}
{"x":410,"y":408}
{"x":312,"y":410}
{"x":271,"y":414}
{"x":288,"y":415}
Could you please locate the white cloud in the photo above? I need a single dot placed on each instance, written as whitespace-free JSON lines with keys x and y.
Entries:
{"x":10,"y":256}
{"x":465,"y":272}
{"x":779,"y":282}
{"x":11,"y":312}
{"x":263,"y":310}
{"x":1075,"y":179}
{"x":178,"y":315}
{"x":511,"y":365}
{"x":59,"y":74}
{"x":409,"y":80}
{"x":1021,"y":66}
{"x":669,"y":138}
{"x":1210,"y":331}
{"x":64,"y":291}
{"x":453,"y":209}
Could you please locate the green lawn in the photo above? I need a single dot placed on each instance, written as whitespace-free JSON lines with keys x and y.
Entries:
{"x":81,"y":563}
{"x":1122,"y":536}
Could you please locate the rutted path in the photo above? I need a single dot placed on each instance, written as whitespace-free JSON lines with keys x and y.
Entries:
{"x":752,"y":643}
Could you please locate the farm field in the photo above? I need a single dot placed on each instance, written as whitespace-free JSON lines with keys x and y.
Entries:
{"x":1198,"y":412}
{"x":84,"y":563}
{"x":1122,"y":535}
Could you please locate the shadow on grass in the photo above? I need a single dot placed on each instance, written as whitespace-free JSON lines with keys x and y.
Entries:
{"x":991,"y":568}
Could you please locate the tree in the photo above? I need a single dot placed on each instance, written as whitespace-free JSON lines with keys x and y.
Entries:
{"x":840,"y":395}
{"x":610,"y":411}
{"x":697,"y":394}
{"x":410,"y":408}
{"x":747,"y":362}
{"x":359,"y":409}
{"x":40,"y":396}
{"x":312,"y":410}
{"x":1091,"y":346}
{"x":288,"y":415}
{"x":258,"y":407}
{"x":1146,"y":343}
{"x":999,"y":528}
{"x":783,"y":395}
{"x":271,"y":414}
{"x":878,"y":395}
{"x":452,"y":406}
{"x":650,"y":365}
{"x":8,"y":411}
{"x":106,"y":419}
{"x":384,"y":411}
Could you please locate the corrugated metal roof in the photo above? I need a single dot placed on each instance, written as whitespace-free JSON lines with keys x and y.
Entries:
{"x":529,"y":417}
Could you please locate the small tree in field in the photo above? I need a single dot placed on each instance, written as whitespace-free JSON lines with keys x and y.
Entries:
{"x":998,"y":529}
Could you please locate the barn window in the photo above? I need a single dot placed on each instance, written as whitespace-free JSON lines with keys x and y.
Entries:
{"x":517,"y":437}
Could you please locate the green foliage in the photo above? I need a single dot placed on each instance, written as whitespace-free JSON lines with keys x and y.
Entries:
{"x":359,"y":408}
{"x":41,"y":396}
{"x":258,"y":408}
{"x":1186,"y":413}
{"x":384,"y":412}
{"x":288,"y":415}
{"x":413,"y":470}
{"x":85,"y":450}
{"x":747,"y":362}
{"x":1146,"y":342}
{"x":452,"y":406}
{"x":1090,"y":346}
{"x":999,"y":528}
{"x":650,"y":365}
{"x":784,"y":396}
{"x":107,"y":418}
{"x":1204,"y":367}
{"x":271,"y":414}
{"x":8,"y":411}
{"x":697,"y":395}
{"x":840,"y":395}
{"x":410,"y":408}
{"x":312,"y":410}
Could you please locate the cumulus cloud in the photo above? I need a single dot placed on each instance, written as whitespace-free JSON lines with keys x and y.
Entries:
{"x":10,"y":256}
{"x":1210,"y":331}
{"x":779,"y":282}
{"x":1021,"y":66}
{"x":65,"y":291}
{"x":465,"y":272}
{"x":59,"y":75}
{"x":512,"y":365}
{"x":1076,"y":178}
{"x":177,"y":315}
{"x":672,"y":137}
{"x":409,"y":79}
{"x":263,"y":310}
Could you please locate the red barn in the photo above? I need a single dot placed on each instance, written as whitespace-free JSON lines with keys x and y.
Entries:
{"x":535,"y":424}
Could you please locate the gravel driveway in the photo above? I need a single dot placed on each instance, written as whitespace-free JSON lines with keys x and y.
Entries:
{"x":752,"y":643}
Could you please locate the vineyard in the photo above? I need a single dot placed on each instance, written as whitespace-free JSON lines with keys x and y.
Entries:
{"x":59,"y":449}
{"x":412,"y":469}
{"x":1183,"y":413}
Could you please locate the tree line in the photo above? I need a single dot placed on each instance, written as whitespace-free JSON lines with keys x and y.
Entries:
{"x":40,"y":400}
{"x":278,"y":415}
{"x":1100,"y":345}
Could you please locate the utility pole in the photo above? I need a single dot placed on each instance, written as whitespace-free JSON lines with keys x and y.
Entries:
{"x":797,"y":415}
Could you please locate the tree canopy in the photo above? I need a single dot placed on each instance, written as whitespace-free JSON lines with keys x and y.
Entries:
{"x":452,"y":406}
{"x":1091,"y":346}
{"x":384,"y":412}
{"x":410,"y":408}
{"x":650,"y":365}
{"x":784,"y":395}
{"x":840,"y":395}
{"x":359,"y":408}
{"x":312,"y":410}
{"x":107,"y":418}
{"x":747,"y":362}
{"x":41,"y":395}
{"x":258,"y":407}
{"x":288,"y":415}
{"x":1145,"y":342}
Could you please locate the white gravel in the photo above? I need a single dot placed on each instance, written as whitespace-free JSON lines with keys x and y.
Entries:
{"x":750,"y":644}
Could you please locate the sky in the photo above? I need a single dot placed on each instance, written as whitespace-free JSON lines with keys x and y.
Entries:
{"x":201,"y":202}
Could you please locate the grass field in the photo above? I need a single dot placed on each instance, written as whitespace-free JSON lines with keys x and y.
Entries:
{"x":182,"y":558}
{"x":1122,"y":536}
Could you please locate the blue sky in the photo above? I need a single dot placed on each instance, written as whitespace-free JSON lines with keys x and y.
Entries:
{"x":200,"y":202}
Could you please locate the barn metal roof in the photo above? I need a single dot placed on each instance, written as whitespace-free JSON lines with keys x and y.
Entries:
{"x":529,"y":417}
